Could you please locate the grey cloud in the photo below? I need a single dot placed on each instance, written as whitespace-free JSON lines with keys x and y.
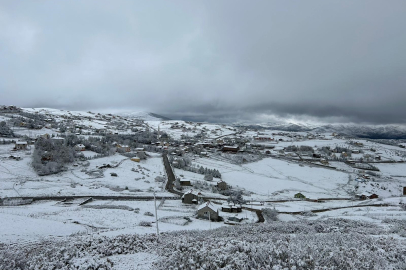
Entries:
{"x":210,"y":60}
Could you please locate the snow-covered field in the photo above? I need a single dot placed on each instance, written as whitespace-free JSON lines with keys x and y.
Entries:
{"x":270,"y":183}
{"x":273,"y":179}
{"x":107,"y":217}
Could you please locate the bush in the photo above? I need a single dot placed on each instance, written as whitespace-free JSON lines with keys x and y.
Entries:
{"x":145,"y":224}
{"x":148,"y":214}
{"x":300,"y":245}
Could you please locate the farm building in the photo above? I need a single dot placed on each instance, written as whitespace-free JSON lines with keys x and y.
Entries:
{"x":208,"y":210}
{"x":80,"y":147}
{"x":373,"y":196}
{"x":365,"y":196}
{"x":185,"y":182}
{"x":191,"y":197}
{"x":230,"y":148}
{"x":126,"y":148}
{"x":58,"y":140}
{"x":20,"y":145}
{"x":259,"y":138}
{"x":232,"y":208}
{"x":135,"y":159}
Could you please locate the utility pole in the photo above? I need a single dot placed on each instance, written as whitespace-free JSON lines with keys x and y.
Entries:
{"x":156,"y":218}
{"x":210,"y":220}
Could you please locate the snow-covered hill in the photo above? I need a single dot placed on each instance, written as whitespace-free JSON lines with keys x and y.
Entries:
{"x":141,"y":115}
{"x":350,"y":129}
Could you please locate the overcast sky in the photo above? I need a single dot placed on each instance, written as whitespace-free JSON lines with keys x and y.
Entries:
{"x":333,"y":61}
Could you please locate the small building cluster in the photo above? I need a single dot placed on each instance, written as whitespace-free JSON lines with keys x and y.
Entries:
{"x":365,"y":196}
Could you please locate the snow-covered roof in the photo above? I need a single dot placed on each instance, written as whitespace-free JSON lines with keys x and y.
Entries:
{"x":227,"y":205}
{"x":209,"y":205}
{"x":194,"y":192}
{"x":80,"y":145}
{"x":231,"y":147}
{"x":123,"y":145}
{"x":21,"y":142}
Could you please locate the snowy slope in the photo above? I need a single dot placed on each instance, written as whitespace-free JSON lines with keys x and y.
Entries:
{"x":350,"y":129}
{"x":141,"y":115}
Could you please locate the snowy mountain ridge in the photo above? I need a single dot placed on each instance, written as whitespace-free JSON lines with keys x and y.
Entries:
{"x":141,"y":115}
{"x":390,"y":131}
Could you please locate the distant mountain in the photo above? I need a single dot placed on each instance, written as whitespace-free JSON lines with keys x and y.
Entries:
{"x":355,"y":130}
{"x":160,"y":116}
{"x":147,"y":116}
{"x":366,"y":131}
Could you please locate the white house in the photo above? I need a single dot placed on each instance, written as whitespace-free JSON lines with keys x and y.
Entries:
{"x":80,"y":147}
{"x":21,"y":145}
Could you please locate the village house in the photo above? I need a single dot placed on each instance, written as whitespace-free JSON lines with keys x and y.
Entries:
{"x":365,"y":196}
{"x":220,"y":141}
{"x":191,"y":197}
{"x":80,"y":147}
{"x":262,"y":138}
{"x":20,"y":145}
{"x":324,"y":161}
{"x":185,"y":182}
{"x":232,"y":208}
{"x":58,"y":140}
{"x":404,"y":190}
{"x":124,"y":147}
{"x":208,"y":211}
{"x":45,"y":136}
{"x":230,"y":149}
{"x":373,"y":196}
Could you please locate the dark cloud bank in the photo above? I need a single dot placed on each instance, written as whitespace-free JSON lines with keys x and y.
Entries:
{"x":219,"y":61}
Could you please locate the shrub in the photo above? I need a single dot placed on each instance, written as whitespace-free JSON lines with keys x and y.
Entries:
{"x":145,"y":224}
{"x":148,"y":214}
